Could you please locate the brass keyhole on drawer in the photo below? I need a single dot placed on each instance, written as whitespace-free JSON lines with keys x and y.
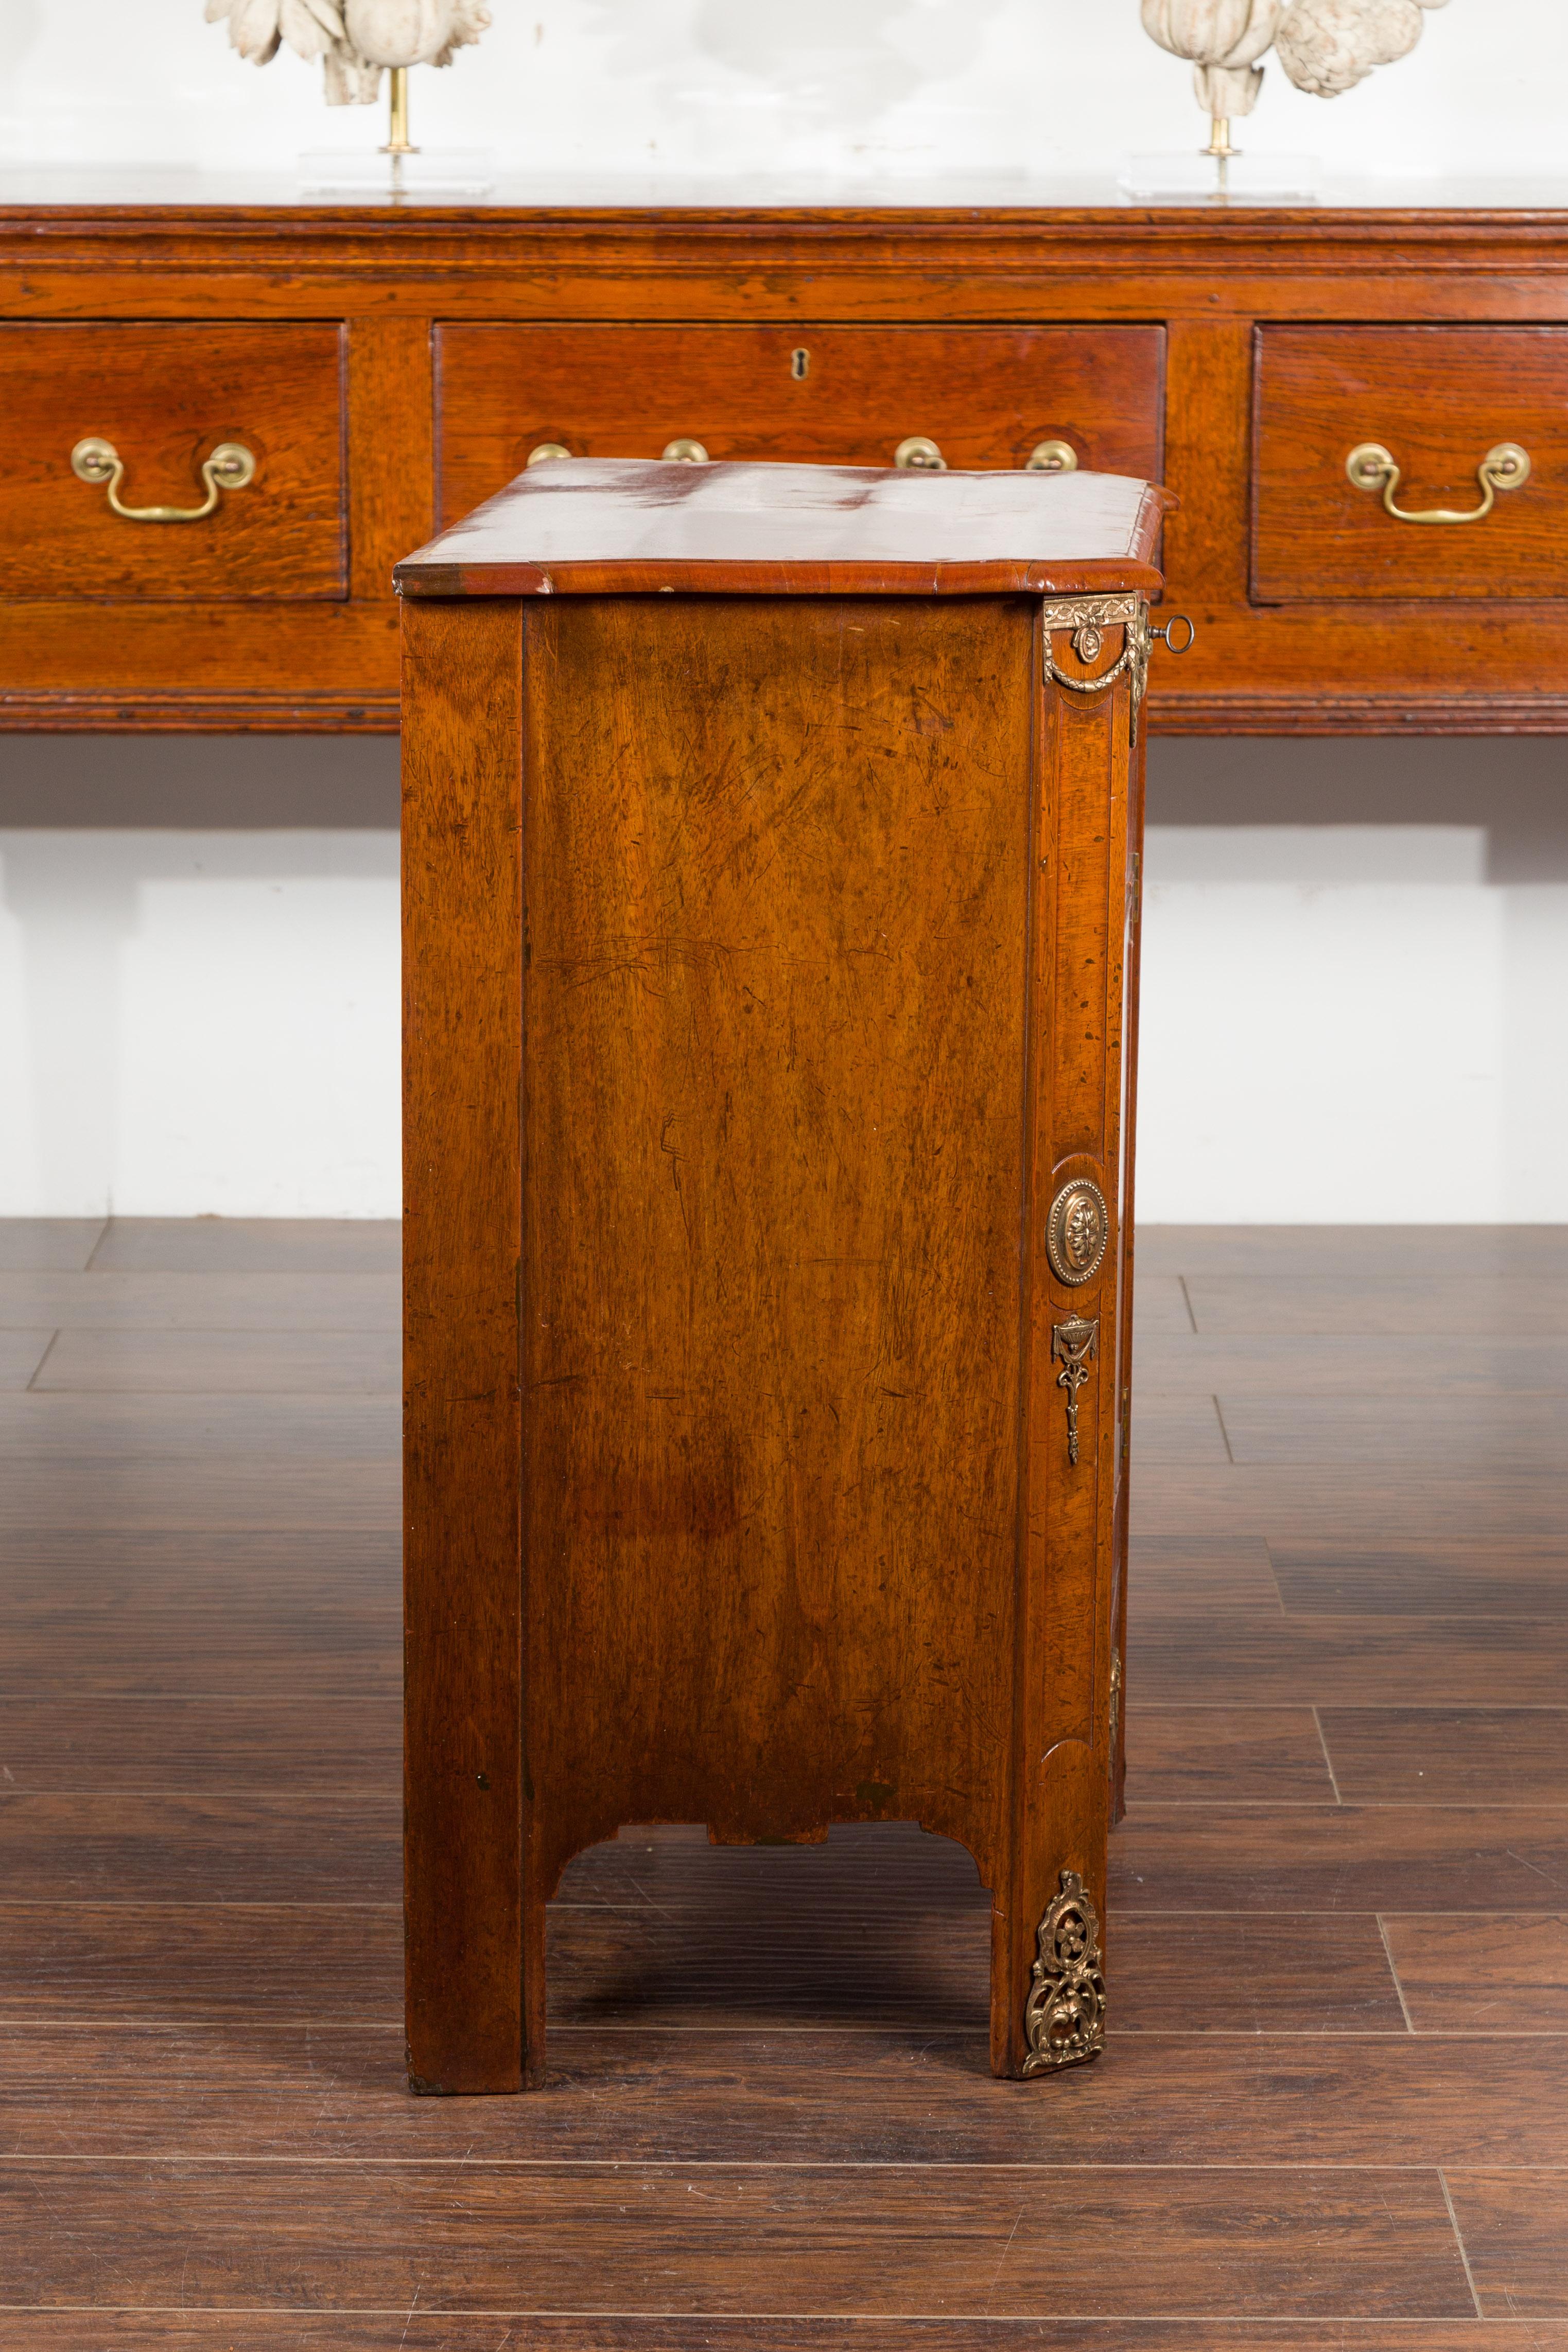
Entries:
{"x":918,"y":456}
{"x":800,"y":363}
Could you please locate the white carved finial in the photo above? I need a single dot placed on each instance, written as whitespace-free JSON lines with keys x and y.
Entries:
{"x":355,"y":39}
{"x":1326,"y":46}
{"x":1224,"y":39}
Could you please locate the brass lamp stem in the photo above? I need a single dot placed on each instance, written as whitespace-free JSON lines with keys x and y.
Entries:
{"x":398,"y":142}
{"x":1219,"y":139}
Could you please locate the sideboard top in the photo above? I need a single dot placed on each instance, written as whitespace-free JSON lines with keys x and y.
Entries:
{"x":146,"y":190}
{"x":610,"y":525}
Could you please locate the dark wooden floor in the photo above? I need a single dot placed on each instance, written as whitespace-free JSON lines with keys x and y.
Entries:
{"x":1334,"y":2110}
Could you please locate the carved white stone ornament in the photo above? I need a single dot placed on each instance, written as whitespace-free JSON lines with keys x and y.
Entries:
{"x":1326,"y":46}
{"x":356,"y":39}
{"x":1224,"y":39}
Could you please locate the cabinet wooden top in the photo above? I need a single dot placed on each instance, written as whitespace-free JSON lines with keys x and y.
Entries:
{"x":989,"y":230}
{"x":583,"y":526}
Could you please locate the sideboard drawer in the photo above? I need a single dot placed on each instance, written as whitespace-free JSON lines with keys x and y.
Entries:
{"x":163,"y":399}
{"x":1439,"y":402}
{"x":835,"y":395}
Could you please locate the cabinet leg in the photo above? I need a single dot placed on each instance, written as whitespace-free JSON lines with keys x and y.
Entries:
{"x":1048,"y":1952}
{"x":1051,"y":2013}
{"x":534,"y":1918}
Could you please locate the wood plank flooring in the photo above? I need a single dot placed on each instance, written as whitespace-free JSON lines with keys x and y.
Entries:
{"x":1334,"y":2110}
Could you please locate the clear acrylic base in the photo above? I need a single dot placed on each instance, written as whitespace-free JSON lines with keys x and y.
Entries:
{"x":1242,"y":179}
{"x":365,"y":173}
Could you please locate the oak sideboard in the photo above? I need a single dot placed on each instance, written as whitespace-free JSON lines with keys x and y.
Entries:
{"x":1364,"y":414}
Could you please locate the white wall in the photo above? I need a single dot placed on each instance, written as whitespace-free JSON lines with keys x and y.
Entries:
{"x":1355,"y":980}
{"x":1355,"y":983}
{"x":1357,"y":953}
{"x":758,"y":86}
{"x":198,"y":976}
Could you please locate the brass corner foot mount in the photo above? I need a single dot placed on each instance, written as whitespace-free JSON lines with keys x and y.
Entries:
{"x":1064,"y":2022}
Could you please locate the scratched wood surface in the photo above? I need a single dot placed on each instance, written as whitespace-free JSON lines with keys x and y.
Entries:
{"x":1333,"y":2113}
{"x":775,"y":1161}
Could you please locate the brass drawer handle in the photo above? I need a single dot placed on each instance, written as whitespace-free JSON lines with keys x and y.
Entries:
{"x":230,"y":467}
{"x":1370,"y":466}
{"x":544,"y":451}
{"x":1051,"y":457}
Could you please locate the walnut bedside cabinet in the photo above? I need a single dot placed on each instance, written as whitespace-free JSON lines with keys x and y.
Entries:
{"x":771,"y":856}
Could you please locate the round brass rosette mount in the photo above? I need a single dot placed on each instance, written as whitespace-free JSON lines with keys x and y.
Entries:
{"x":1076,"y":1232}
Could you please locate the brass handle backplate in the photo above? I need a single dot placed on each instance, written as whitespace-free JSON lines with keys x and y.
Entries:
{"x":1372,"y":467}
{"x":920,"y":454}
{"x":230,"y":467}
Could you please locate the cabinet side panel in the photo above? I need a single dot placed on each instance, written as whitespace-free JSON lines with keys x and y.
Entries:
{"x":463,"y":1189}
{"x":777,"y":883}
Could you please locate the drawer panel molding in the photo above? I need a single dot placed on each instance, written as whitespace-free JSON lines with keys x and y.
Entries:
{"x":1442,"y":425}
{"x":155,"y":414}
{"x":928,"y":399}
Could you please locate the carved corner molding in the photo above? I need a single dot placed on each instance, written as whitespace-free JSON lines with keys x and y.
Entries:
{"x":1064,"y":2022}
